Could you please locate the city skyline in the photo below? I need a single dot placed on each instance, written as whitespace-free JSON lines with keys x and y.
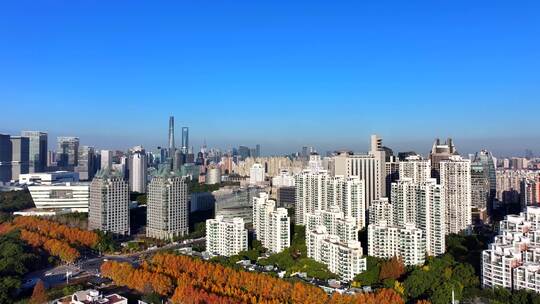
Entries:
{"x":282,"y":75}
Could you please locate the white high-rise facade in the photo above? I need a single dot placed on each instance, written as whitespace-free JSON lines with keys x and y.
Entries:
{"x":408,"y":243}
{"x":138,"y":167}
{"x":106,"y":159}
{"x":513,"y":259}
{"x":167,"y":207}
{"x":318,"y":191}
{"x":271,"y":224}
{"x":455,"y":174}
{"x":367,"y":168}
{"x":109,"y":203}
{"x":256,"y":174}
{"x":381,"y":210}
{"x":226,"y":237}
{"x":335,"y":222}
{"x":342,"y":258}
{"x":415,"y":168}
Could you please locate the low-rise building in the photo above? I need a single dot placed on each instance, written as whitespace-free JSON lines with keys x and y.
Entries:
{"x":66,"y":196}
{"x":92,"y":296}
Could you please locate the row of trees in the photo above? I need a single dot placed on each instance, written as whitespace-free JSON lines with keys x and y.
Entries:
{"x":56,"y":230}
{"x":197,"y":281}
{"x":54,"y":247}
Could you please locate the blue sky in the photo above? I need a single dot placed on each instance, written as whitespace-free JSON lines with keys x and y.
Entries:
{"x":279,"y":73}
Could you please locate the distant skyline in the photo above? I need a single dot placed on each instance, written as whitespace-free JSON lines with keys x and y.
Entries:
{"x":282,"y":74}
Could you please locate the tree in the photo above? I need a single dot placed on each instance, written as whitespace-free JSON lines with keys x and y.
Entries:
{"x":392,"y":269}
{"x":39,"y":295}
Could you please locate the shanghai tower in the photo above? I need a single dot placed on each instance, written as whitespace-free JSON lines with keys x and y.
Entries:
{"x":171,"y":138}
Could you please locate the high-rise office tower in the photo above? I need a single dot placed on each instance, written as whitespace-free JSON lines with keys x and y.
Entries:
{"x":367,"y":167}
{"x":5,"y":158}
{"x":455,"y":174}
{"x":380,"y":154}
{"x":106,"y":159}
{"x":109,"y":203}
{"x":243,"y":152}
{"x":20,"y":158}
{"x":167,"y":206}
{"x":138,"y":169}
{"x":440,"y":152}
{"x":67,"y":152}
{"x":258,"y":150}
{"x":480,"y":192}
{"x":38,"y":150}
{"x":172,"y":147}
{"x":87,"y":163}
{"x":488,"y":162}
{"x":185,"y":140}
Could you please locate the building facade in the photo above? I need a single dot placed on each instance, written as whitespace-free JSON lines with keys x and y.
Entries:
{"x":455,"y":176}
{"x":226,"y":237}
{"x":271,"y":224}
{"x":38,"y":150}
{"x":138,"y":169}
{"x":73,"y":197}
{"x":167,"y":206}
{"x":345,"y":259}
{"x":109,"y":203}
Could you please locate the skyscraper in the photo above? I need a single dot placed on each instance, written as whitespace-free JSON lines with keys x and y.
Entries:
{"x":167,"y":206}
{"x":171,"y":138}
{"x":87,"y":163}
{"x":5,"y":158}
{"x":138,"y":167}
{"x":106,"y":159}
{"x":455,"y":174}
{"x":185,"y":140}
{"x":38,"y":150}
{"x":109,"y":203}
{"x":20,"y":147}
{"x":68,"y":152}
{"x":440,"y":152}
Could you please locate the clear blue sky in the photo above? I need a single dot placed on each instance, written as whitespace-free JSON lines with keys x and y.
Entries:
{"x":279,"y":73}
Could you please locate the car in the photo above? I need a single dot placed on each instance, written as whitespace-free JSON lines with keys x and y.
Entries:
{"x":48,"y":274}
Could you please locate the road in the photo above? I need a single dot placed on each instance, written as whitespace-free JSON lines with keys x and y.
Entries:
{"x":89,"y":266}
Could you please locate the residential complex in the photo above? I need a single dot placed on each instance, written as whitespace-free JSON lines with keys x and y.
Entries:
{"x":513,"y":259}
{"x":408,"y":243}
{"x":318,"y":190}
{"x":226,"y":237}
{"x":271,"y":224}
{"x":455,"y":176}
{"x":345,"y":259}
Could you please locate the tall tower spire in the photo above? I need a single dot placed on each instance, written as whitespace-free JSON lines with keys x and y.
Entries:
{"x":171,"y":136}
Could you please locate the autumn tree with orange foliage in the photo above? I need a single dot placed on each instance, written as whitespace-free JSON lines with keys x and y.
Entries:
{"x":74,"y":236}
{"x":392,"y":269}
{"x":199,"y":281}
{"x":39,"y":295}
{"x":54,"y":247}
